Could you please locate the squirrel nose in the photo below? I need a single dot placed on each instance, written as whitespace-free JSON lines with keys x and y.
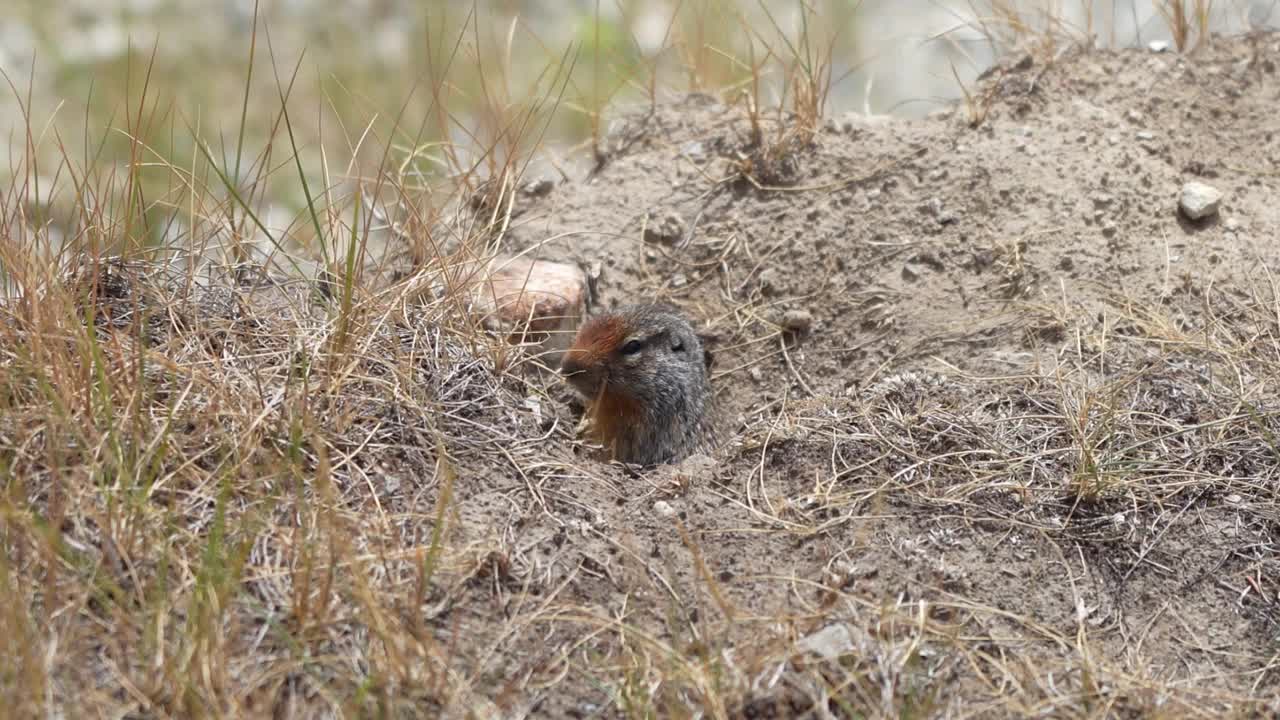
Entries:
{"x":570,"y":365}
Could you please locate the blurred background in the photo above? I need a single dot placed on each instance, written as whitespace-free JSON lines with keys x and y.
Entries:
{"x":377,"y":82}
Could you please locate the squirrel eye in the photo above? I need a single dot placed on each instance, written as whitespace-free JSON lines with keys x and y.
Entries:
{"x":632,"y":347}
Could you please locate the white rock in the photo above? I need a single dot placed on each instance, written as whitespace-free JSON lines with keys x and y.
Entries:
{"x":539,"y":187}
{"x":828,"y":643}
{"x":1157,"y":46}
{"x":1199,"y":200}
{"x":663,"y":509}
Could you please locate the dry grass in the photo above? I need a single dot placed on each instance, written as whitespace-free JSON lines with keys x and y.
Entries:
{"x":804,"y":60}
{"x":1080,"y":467}
{"x":227,"y":458}
{"x":1186,"y":20}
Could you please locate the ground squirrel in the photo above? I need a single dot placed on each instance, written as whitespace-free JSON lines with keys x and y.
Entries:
{"x":644,"y":374}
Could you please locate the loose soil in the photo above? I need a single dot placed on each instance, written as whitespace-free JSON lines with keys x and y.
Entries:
{"x":990,"y":460}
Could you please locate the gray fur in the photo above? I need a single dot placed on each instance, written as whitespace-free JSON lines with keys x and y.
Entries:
{"x":670,"y":385}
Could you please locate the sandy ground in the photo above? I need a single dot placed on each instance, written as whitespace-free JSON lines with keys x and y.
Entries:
{"x":984,"y":478}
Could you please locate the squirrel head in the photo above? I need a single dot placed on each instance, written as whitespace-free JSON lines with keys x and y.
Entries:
{"x":638,"y":352}
{"x":644,"y":374}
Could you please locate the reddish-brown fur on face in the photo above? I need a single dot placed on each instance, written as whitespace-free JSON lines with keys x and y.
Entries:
{"x":649,"y":404}
{"x":611,"y":414}
{"x":611,"y":411}
{"x":598,"y":338}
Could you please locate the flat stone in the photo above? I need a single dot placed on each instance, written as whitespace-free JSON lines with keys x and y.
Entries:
{"x":533,"y":300}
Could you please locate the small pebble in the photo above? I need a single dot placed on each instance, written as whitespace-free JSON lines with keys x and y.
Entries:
{"x":1157,"y":46}
{"x":539,"y":187}
{"x":667,"y":229}
{"x":1199,"y":200}
{"x":663,"y":509}
{"x":797,"y":321}
{"x":695,"y":151}
{"x":768,"y":281}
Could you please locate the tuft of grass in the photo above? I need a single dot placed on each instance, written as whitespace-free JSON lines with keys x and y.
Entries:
{"x":796,"y":69}
{"x":1186,"y":20}
{"x":205,"y":416}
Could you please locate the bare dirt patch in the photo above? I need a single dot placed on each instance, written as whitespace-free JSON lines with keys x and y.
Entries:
{"x":1025,"y":455}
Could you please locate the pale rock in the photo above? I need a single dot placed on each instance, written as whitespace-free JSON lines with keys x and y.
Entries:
{"x":1199,"y":200}
{"x":828,"y":643}
{"x":533,"y":300}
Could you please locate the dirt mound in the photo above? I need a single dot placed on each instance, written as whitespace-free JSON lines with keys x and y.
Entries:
{"x":1022,"y":462}
{"x":909,"y":240}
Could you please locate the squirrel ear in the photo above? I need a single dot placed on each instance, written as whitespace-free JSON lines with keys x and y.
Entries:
{"x":706,"y":339}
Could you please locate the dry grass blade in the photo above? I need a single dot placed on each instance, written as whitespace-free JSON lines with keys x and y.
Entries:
{"x":1186,"y":19}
